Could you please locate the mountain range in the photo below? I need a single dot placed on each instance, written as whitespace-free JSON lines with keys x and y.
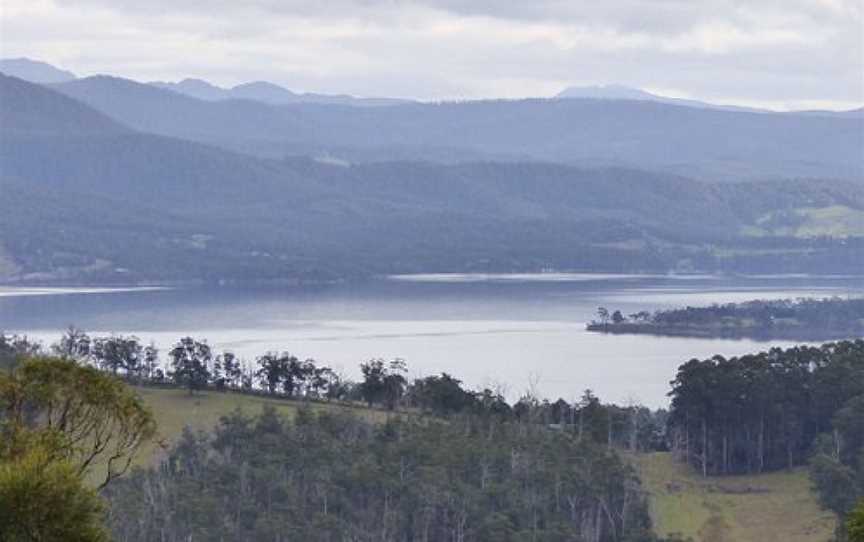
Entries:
{"x":262,"y":91}
{"x":269,"y":93}
{"x":91,"y":197}
{"x":704,"y":143}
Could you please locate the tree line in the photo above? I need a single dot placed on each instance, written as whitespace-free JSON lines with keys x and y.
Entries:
{"x":773,"y":410}
{"x":796,"y":319}
{"x":193,"y":365}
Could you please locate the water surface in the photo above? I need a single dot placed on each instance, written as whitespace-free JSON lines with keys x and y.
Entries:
{"x":515,"y":332}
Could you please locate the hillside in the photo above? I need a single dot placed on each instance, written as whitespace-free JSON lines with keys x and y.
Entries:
{"x":93,"y":200}
{"x":34,"y":70}
{"x":242,"y":125}
{"x":29,"y":110}
{"x":175,"y":409}
{"x":767,"y":508}
{"x":714,"y":145}
{"x":775,"y":507}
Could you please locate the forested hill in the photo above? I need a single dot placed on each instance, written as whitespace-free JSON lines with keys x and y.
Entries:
{"x":324,"y":477}
{"x":88,"y":199}
{"x":32,"y":110}
{"x":709,"y":144}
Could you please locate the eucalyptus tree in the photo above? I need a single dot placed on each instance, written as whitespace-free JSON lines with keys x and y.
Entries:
{"x":75,"y":344}
{"x":150,"y":362}
{"x":190,"y":364}
{"x":272,"y":370}
{"x":63,"y":426}
{"x":76,"y":413}
{"x":383,"y":382}
{"x":118,"y":353}
{"x":231,"y":369}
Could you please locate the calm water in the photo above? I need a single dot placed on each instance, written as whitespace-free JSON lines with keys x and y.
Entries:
{"x":513,"y":331}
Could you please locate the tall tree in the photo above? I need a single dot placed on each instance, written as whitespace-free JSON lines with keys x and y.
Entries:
{"x":74,"y":344}
{"x":190,"y":363}
{"x":383,"y":383}
{"x":150,"y":362}
{"x":118,"y":353}
{"x":231,"y":369}
{"x":272,"y":370}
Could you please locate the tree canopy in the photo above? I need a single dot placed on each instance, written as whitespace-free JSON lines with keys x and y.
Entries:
{"x":327,"y":477}
{"x":77,"y":413}
{"x":61,"y":424}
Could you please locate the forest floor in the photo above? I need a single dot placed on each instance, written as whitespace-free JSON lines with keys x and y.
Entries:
{"x":771,"y":507}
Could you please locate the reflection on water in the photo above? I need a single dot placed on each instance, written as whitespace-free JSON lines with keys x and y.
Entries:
{"x":6,"y":291}
{"x":486,"y":330}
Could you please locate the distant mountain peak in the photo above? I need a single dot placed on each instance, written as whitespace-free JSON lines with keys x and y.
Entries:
{"x":199,"y":83}
{"x":196,"y":88}
{"x":34,"y":71}
{"x":623,"y":92}
{"x":607,"y":92}
{"x":260,"y":85}
{"x":263,"y":91}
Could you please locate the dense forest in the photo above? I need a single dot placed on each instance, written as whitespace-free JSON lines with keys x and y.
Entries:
{"x":775,"y":410}
{"x":803,"y":319}
{"x":333,"y":477}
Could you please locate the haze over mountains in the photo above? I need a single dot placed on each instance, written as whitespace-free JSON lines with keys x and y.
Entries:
{"x":262,"y":91}
{"x":621,"y":92}
{"x":106,"y":179}
{"x":709,"y":144}
{"x":268,"y":93}
{"x":34,"y":71}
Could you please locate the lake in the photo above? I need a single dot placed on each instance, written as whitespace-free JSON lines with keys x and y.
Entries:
{"x":514,"y":332}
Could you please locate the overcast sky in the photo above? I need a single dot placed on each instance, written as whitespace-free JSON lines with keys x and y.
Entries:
{"x":776,"y":53}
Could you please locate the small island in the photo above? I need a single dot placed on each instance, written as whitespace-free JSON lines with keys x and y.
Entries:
{"x":802,"y":319}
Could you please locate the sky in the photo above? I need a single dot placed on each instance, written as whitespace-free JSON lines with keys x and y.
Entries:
{"x":781,"y":54}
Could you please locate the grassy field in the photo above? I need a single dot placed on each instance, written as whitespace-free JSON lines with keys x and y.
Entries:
{"x":766,"y":508}
{"x":175,"y":409}
{"x":808,"y":222}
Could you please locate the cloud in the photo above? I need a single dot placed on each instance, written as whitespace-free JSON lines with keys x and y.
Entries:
{"x":790,"y":53}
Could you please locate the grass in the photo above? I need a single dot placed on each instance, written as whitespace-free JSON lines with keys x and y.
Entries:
{"x":175,"y":409}
{"x":769,"y":507}
{"x":836,"y":221}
